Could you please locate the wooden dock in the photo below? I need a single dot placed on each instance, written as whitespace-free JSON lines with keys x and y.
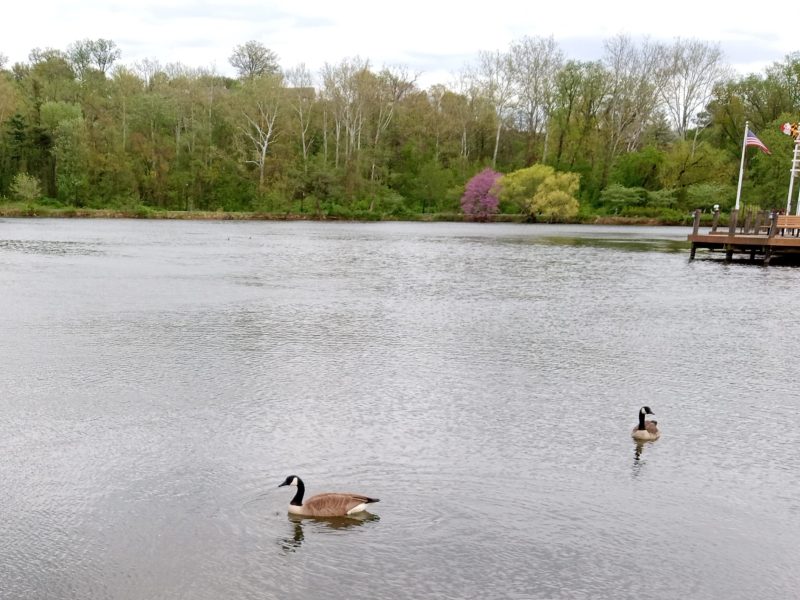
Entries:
{"x":761,"y":237}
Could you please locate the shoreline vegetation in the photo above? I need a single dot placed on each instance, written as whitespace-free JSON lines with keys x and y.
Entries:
{"x":23,"y":210}
{"x":525,"y":134}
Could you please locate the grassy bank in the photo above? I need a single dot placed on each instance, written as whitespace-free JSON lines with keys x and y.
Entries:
{"x":25,"y":210}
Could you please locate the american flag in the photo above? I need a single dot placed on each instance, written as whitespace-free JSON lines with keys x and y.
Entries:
{"x":751,"y":140}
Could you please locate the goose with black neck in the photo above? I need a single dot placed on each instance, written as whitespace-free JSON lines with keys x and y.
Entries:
{"x":330,"y":504}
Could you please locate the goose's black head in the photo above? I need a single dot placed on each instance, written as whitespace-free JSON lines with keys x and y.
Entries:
{"x":646,"y":411}
{"x":291,"y":480}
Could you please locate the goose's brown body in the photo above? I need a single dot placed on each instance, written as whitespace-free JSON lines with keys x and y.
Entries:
{"x":649,"y":433}
{"x":332,"y":505}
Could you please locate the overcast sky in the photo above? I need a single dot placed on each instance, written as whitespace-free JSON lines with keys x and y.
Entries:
{"x":431,"y":37}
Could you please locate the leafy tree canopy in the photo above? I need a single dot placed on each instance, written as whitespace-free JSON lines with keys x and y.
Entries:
{"x":542,"y":192}
{"x":252,"y":59}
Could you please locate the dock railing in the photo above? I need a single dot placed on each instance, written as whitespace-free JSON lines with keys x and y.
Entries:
{"x":756,"y":221}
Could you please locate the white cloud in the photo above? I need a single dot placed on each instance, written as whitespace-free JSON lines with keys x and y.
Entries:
{"x":437,"y":38}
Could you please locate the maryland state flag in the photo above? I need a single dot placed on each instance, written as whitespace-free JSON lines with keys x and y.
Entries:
{"x":791,"y":129}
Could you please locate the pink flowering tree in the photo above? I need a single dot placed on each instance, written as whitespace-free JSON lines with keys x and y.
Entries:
{"x":480,"y":195}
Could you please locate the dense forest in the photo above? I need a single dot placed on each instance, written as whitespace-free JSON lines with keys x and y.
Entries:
{"x":649,"y":129}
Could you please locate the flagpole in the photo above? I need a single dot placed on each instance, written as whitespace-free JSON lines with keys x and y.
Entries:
{"x":741,"y":164}
{"x":793,"y":172}
{"x":797,"y":209}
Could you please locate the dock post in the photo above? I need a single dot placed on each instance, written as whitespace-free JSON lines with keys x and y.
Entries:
{"x":732,"y":224}
{"x":695,"y":229}
{"x":748,"y":219}
{"x":773,"y":224}
{"x":715,"y":222}
{"x":696,"y":224}
{"x":757,"y":224}
{"x":731,"y":232}
{"x":773,"y":229}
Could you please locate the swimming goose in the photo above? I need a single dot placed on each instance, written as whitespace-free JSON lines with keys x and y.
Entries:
{"x":646,"y":430}
{"x":325,"y":505}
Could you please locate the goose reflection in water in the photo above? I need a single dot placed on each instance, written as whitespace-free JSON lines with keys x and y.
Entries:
{"x":302,"y":525}
{"x":639,"y":449}
{"x":637,"y":468}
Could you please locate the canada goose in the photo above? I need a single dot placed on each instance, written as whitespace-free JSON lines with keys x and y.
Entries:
{"x":325,"y":505}
{"x":646,"y":430}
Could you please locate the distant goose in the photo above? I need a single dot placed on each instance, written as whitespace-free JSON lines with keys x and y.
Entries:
{"x":646,"y":430}
{"x":325,"y":505}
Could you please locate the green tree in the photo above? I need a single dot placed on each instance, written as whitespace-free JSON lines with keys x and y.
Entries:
{"x":638,"y":169}
{"x":691,"y":70}
{"x":302,"y":97}
{"x":10,"y":98}
{"x":755,"y":98}
{"x":555,"y":199}
{"x":536,"y":62}
{"x":252,"y":59}
{"x":52,"y":113}
{"x":616,"y":198}
{"x":494,"y":78}
{"x":541,"y":192}
{"x":766,"y":176}
{"x":581,"y":91}
{"x":632,"y":97}
{"x":72,"y":161}
{"x":519,"y":187}
{"x":10,"y":104}
{"x":705,"y":195}
{"x":685,"y":165}
{"x":264,"y":101}
{"x":50,"y":77}
{"x":26,"y":188}
{"x":17,"y":142}
{"x":152,"y":117}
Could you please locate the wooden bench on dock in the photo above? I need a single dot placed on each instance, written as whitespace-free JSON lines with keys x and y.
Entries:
{"x":788,"y":223}
{"x":785,"y":224}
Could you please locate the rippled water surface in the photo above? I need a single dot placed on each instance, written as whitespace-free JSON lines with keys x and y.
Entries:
{"x":158,"y":380}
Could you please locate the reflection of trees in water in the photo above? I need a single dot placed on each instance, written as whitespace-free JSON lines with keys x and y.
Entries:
{"x":320,"y":525}
{"x":617,"y":243}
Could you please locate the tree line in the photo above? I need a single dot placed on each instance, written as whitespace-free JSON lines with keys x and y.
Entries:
{"x":650,"y":129}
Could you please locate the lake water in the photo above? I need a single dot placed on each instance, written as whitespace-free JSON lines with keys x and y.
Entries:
{"x":159,"y":379}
